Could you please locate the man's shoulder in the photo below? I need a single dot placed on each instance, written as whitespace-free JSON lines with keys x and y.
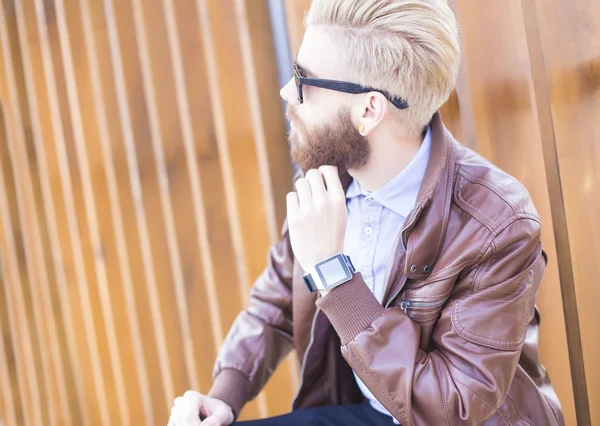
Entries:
{"x":486,"y":192}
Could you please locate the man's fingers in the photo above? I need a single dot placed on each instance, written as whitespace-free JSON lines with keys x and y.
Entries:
{"x":292,"y":205}
{"x":317,"y":185}
{"x":211,"y":421}
{"x":194,"y":398}
{"x":332,"y":179}
{"x":214,"y":420}
{"x":304,"y":194}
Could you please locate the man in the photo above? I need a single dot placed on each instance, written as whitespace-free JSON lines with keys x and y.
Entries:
{"x":425,"y":257}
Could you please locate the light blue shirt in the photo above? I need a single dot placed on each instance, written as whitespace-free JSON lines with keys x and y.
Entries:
{"x":374,"y":222}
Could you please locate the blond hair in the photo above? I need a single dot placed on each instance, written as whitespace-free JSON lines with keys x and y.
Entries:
{"x":409,"y":48}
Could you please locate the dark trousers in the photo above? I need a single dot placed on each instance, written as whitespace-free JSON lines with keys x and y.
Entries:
{"x":342,"y":415}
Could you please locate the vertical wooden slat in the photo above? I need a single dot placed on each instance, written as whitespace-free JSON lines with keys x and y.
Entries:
{"x":218,"y":232}
{"x":238,"y":167}
{"x":13,"y":403}
{"x":34,"y":411}
{"x":8,"y":400}
{"x":134,"y":181}
{"x":7,"y":414}
{"x":165,"y":198}
{"x":88,"y":191}
{"x":51,"y":221}
{"x":221,"y":134}
{"x":267,"y":118}
{"x":201,"y":227}
{"x":572,"y":70}
{"x":295,"y":12}
{"x":9,"y":272}
{"x":465,"y":129}
{"x":254,"y":108}
{"x":116,"y":213}
{"x":74,"y":236}
{"x":567,"y":91}
{"x":265,"y":108}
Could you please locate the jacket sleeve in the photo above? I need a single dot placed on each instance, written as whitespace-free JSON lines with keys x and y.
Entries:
{"x":261,"y":335}
{"x":478,"y":337}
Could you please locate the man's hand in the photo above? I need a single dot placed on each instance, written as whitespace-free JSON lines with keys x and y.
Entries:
{"x":317,"y":216}
{"x":187,"y":409}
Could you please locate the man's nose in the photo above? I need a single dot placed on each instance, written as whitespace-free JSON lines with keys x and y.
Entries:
{"x":289,"y":93}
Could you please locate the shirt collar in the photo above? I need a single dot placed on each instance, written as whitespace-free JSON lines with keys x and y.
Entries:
{"x":400,"y":194}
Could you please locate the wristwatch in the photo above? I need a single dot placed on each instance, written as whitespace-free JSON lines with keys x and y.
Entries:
{"x":330,"y":273}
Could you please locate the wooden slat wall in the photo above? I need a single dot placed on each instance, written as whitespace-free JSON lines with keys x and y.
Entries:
{"x":565,"y":52}
{"x":143,"y":172}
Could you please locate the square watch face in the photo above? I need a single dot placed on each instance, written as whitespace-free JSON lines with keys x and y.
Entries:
{"x":332,"y":272}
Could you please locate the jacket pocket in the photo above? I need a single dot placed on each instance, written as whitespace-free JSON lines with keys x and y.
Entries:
{"x":496,"y":318}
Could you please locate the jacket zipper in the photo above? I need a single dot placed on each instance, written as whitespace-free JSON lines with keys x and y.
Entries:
{"x":407,"y":304}
{"x":303,"y":366}
{"x":397,"y":292}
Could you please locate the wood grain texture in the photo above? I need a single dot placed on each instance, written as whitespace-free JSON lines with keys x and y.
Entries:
{"x":568,"y":82}
{"x":140,"y":192}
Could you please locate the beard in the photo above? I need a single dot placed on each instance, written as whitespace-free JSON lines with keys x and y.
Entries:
{"x":337,"y":143}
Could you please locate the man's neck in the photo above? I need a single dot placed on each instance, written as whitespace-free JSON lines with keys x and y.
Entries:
{"x":389,"y":156}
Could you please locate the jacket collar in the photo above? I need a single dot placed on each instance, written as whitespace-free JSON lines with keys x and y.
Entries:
{"x":423,"y":235}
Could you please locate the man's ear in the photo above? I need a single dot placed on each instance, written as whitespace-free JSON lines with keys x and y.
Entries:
{"x":370,"y":111}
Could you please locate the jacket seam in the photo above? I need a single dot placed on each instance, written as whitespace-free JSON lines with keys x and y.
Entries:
{"x":514,"y":403}
{"x":490,"y":186}
{"x":379,"y":387}
{"x":472,"y":211}
{"x":442,"y":389}
{"x":435,"y":296}
{"x":448,"y":272}
{"x":506,"y":421}
{"x":551,"y":408}
{"x":509,"y":221}
{"x":498,"y":313}
{"x":508,"y":300}
{"x":479,"y":273}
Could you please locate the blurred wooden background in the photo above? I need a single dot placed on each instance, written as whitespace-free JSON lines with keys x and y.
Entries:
{"x":143,"y":170}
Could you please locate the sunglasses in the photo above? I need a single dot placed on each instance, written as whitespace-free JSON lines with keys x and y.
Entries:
{"x":340,"y":86}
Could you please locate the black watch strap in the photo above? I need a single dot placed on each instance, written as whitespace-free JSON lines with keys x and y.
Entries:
{"x":310,"y":283}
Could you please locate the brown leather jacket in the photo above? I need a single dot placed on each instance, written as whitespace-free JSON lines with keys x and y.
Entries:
{"x":455,"y":341}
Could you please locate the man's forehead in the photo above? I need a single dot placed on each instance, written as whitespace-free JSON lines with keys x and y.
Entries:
{"x":317,"y":55}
